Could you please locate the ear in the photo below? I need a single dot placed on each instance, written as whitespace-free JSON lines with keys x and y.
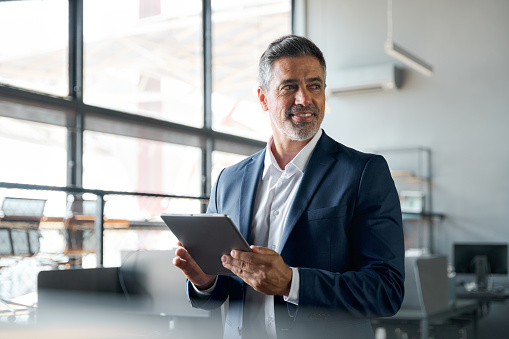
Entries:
{"x":262,"y":98}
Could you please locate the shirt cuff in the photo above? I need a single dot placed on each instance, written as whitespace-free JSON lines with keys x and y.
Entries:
{"x":293,"y":296}
{"x":207,"y":292}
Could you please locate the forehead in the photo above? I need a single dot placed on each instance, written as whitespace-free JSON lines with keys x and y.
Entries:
{"x":296,"y":68}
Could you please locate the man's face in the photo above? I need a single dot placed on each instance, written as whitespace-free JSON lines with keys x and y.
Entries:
{"x":295,"y":98}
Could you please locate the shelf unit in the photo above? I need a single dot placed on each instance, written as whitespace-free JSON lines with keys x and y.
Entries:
{"x":411,"y":171}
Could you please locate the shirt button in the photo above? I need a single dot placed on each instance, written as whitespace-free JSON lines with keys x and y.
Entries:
{"x":276,"y":212}
{"x":273,"y":247}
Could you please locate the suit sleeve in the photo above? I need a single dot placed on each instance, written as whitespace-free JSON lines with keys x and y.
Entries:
{"x":220,"y":293}
{"x":375,"y":284}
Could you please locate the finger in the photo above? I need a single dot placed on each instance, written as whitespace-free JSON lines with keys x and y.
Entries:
{"x":178,"y":262}
{"x":262,"y":250}
{"x":191,"y":270}
{"x":260,"y":258}
{"x":238,"y":267}
{"x":182,"y":253}
{"x":185,"y":262}
{"x":187,"y":267}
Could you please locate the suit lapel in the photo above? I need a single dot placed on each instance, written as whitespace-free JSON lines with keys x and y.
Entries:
{"x":250,"y":180}
{"x":316,"y":169}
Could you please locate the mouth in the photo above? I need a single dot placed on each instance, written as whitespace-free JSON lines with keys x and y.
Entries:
{"x":302,"y":114}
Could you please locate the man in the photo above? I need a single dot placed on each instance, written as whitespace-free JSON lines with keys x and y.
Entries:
{"x":324,"y":220}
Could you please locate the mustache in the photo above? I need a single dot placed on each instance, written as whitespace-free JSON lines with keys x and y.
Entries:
{"x":300,"y":108}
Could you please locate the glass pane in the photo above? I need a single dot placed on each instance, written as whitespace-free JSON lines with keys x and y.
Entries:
{"x":221,"y":160}
{"x":34,"y":39}
{"x":241,"y":31}
{"x":145,"y":57}
{"x":33,"y":153}
{"x":118,"y":241}
{"x":141,"y":209}
{"x":112,"y":162}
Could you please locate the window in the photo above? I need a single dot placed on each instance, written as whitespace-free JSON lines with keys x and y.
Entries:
{"x":145,"y":57}
{"x":119,"y":163}
{"x":241,"y":31}
{"x":33,"y":153}
{"x":168,"y":102}
{"x":220,"y":160}
{"x":34,"y":40}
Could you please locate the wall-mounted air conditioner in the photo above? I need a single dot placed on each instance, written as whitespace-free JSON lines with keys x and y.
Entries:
{"x":364,"y":79}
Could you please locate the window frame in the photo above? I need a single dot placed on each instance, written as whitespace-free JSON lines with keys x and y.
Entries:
{"x":77,"y":116}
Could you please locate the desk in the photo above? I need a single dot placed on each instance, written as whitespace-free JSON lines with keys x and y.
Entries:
{"x":484,"y":298}
{"x":461,"y":309}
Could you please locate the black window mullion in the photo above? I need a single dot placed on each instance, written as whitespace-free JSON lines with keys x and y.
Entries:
{"x":207,"y":96}
{"x":75,"y":134}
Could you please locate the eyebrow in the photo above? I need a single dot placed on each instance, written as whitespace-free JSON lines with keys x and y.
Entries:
{"x":309,"y":80}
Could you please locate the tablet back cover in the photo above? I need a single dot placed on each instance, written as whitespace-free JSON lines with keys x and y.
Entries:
{"x":207,"y":237}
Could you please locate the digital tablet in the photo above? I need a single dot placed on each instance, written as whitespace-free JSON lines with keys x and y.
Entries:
{"x":207,"y":237}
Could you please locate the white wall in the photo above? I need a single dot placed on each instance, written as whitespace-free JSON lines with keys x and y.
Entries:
{"x":461,"y":113}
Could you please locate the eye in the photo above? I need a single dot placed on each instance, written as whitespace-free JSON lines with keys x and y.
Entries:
{"x":315,"y":86}
{"x":289,"y":87}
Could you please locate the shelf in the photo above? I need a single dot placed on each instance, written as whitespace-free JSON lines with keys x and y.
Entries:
{"x":419,"y":216}
{"x":407,"y":175}
{"x":411,"y":171}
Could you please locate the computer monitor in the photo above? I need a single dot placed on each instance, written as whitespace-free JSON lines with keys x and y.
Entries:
{"x":151,"y":274}
{"x":481,"y":260}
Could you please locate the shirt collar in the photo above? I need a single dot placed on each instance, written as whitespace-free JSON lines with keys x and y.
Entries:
{"x":300,"y":161}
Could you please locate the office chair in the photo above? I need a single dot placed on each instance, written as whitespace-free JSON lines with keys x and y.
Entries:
{"x":427,"y":306}
{"x":19,"y":236}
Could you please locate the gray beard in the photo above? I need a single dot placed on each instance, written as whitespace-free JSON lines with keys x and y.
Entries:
{"x":297,"y":131}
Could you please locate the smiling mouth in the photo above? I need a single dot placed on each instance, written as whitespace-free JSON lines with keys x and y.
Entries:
{"x":302,"y":112}
{"x":302,"y":117}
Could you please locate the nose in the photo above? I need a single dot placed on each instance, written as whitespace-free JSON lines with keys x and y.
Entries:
{"x":302,"y":97}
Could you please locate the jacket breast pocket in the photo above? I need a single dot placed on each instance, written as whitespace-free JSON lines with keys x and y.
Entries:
{"x":325,"y":237}
{"x":333,"y":212}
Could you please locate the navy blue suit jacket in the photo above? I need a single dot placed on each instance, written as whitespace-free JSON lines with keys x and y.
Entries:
{"x":344,"y":234}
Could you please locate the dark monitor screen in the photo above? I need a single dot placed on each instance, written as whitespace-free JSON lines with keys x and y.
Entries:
{"x":467,"y":254}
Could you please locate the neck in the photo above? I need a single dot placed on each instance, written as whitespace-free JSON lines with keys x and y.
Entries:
{"x":286,"y":149}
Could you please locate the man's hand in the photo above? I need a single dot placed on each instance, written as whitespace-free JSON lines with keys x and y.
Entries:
{"x":193,"y":272}
{"x":263,"y":269}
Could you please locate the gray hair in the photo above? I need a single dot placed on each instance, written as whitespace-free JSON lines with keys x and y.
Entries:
{"x":287,"y":46}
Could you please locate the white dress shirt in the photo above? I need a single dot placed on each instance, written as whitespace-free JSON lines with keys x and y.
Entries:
{"x":276,"y":192}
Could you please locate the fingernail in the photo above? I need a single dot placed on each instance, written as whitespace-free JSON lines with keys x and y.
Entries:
{"x":232,"y":253}
{"x":223,"y":258}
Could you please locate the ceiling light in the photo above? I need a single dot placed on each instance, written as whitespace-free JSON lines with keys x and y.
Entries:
{"x":400,"y":53}
{"x":408,"y":58}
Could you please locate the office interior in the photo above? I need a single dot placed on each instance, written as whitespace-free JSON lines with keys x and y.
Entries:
{"x":119,"y":111}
